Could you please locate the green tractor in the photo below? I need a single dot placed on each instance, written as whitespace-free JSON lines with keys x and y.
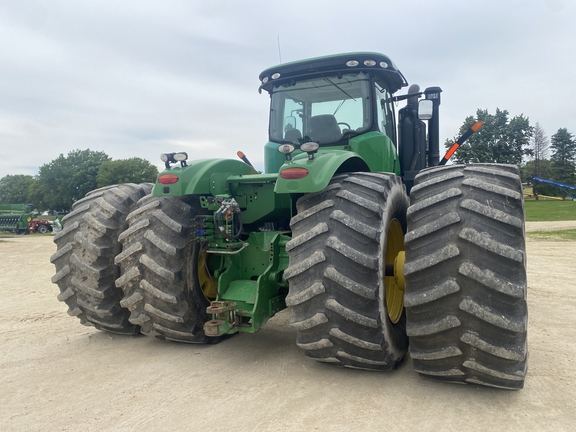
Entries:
{"x":355,"y":224}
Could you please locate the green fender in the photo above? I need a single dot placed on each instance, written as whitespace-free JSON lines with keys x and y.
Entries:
{"x":321,"y":169}
{"x":201,"y":177}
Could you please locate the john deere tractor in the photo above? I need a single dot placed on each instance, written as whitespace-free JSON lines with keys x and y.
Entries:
{"x":355,"y":224}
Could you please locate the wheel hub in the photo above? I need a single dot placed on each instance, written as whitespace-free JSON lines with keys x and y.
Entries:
{"x":208,"y":283}
{"x":394,"y":277}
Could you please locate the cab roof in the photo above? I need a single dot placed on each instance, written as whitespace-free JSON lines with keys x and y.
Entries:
{"x":378,"y":64}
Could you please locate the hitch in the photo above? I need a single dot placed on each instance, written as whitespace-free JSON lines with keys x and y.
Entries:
{"x":224,"y":321}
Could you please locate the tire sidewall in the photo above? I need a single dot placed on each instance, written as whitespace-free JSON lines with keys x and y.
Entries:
{"x":194,"y":295}
{"x":395,"y":207}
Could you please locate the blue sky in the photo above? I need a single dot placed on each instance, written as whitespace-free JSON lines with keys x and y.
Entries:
{"x":138,"y":78}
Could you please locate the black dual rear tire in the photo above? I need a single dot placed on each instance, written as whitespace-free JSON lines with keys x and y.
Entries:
{"x":84,"y":259}
{"x":466,"y":275}
{"x":336,"y":272}
{"x":160,"y":271}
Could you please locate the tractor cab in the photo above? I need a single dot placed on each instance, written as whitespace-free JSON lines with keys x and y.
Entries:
{"x":327,"y":110}
{"x":345,"y":102}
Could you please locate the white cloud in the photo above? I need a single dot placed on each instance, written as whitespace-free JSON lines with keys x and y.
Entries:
{"x":137,"y":78}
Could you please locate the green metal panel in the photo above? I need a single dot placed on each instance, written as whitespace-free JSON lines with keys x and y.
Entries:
{"x":321,"y":169}
{"x":372,"y":151}
{"x":256,"y":197}
{"x":273,"y":159}
{"x":378,"y":151}
{"x":202,"y":177}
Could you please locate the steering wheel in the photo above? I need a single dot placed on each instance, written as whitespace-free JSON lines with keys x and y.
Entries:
{"x":345,"y":124}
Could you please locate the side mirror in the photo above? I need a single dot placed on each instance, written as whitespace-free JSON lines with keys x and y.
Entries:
{"x":425,"y":109}
{"x":289,"y":123}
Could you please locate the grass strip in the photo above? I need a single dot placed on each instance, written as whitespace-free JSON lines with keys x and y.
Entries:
{"x":562,"y":235}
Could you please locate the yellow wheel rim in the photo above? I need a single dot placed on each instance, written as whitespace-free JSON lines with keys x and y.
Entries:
{"x":394,"y":285}
{"x":208,"y":283}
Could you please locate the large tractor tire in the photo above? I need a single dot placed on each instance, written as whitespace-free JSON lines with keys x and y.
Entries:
{"x":466,"y":275}
{"x":164,"y":273}
{"x":84,"y":259}
{"x":345,"y":310}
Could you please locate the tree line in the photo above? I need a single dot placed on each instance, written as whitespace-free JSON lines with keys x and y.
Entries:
{"x":66,"y":179}
{"x":515,"y":141}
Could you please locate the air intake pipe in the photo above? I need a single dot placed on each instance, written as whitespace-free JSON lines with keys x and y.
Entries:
{"x":433,"y":94}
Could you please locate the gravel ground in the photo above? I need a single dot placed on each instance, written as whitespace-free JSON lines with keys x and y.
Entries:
{"x":57,"y":375}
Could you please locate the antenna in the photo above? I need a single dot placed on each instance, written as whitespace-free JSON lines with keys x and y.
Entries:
{"x":279,"y":52}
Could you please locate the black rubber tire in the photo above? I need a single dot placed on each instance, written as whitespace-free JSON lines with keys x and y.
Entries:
{"x":466,"y":275}
{"x":84,"y":259}
{"x":159,"y":271}
{"x":42,"y":229}
{"x":337,"y":291}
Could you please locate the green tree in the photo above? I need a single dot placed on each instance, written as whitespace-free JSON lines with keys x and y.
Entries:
{"x":563,"y":157}
{"x":68,"y":178}
{"x":544,"y":171}
{"x":38,"y":194}
{"x":14,"y":189}
{"x":499,"y":141}
{"x":133,"y":170}
{"x":529,"y":170}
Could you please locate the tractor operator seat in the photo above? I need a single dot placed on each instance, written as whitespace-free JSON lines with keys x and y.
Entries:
{"x":293,"y":135}
{"x":324,"y":128}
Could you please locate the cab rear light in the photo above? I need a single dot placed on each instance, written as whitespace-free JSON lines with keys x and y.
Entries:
{"x":168,"y":179}
{"x":294,"y":173}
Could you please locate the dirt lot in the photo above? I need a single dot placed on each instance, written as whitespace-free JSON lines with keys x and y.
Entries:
{"x":57,"y":375}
